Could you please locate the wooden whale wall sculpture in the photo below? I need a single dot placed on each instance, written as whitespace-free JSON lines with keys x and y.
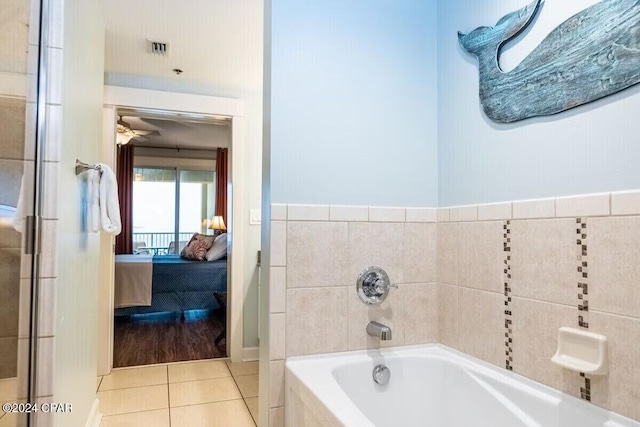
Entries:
{"x":593,"y":54}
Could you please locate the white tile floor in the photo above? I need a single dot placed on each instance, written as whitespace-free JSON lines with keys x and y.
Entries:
{"x":208,"y":393}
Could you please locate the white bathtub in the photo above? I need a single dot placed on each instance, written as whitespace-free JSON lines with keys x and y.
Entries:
{"x":430,"y":386}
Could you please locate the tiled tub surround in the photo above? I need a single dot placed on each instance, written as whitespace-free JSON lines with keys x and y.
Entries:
{"x":317,"y":253}
{"x":456,"y":278}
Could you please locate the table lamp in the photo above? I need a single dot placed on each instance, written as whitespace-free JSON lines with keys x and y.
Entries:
{"x":217,"y":224}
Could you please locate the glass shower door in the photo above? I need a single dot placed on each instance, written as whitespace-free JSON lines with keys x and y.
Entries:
{"x":20,"y":113}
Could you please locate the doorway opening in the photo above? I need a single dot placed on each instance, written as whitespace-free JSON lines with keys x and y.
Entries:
{"x":171,"y":263}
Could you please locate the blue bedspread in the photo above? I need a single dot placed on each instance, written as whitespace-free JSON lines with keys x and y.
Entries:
{"x":179,"y":284}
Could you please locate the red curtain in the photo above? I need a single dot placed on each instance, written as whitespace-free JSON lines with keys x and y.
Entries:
{"x":222,"y":170}
{"x":124,"y":241}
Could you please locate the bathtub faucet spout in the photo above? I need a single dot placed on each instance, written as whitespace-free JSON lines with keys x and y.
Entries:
{"x":379,"y":330}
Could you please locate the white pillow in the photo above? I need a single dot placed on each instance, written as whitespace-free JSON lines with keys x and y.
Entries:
{"x":219,"y":248}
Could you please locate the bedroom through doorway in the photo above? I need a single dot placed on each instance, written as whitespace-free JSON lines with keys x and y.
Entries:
{"x":171,"y":264}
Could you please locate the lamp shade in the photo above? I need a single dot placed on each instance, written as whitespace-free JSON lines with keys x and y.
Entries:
{"x":217,"y":223}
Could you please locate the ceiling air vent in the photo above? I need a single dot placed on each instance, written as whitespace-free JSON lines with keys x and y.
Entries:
{"x":158,"y":48}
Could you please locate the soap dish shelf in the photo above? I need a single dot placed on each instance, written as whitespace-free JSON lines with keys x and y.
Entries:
{"x":582,"y":351}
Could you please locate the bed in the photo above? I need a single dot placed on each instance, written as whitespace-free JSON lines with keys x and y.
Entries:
{"x":176,"y":284}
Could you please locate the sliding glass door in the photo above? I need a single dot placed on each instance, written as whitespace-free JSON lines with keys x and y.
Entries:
{"x":160,"y":225}
{"x":154,"y":211}
{"x":197,"y":203}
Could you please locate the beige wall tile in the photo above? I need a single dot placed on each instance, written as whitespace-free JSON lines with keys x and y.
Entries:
{"x":349,"y":213}
{"x":613,"y":250}
{"x":448,"y":315}
{"x":47,"y":308}
{"x":10,"y":298}
{"x":481,"y":325}
{"x":389,"y":313}
{"x":588,"y":205}
{"x":277,"y":289}
{"x":464,"y":213}
{"x":9,"y":357}
{"x":381,"y":214}
{"x":421,"y":215}
{"x":481,"y":255}
{"x":316,"y":320}
{"x":420,"y":313}
{"x":538,"y":208}
{"x":50,"y":192}
{"x":419,"y":253}
{"x":49,"y":257}
{"x":276,"y":417}
{"x":53,"y":147}
{"x":620,"y":390}
{"x":278,"y":212}
{"x":317,"y":254}
{"x":448,"y":242}
{"x":276,"y":384}
{"x":45,"y":364}
{"x":543,"y":260}
{"x":380,"y":244}
{"x":278,"y":243}
{"x":535,"y":330}
{"x":277,"y":336}
{"x":494,"y":211}
{"x":308,"y":212}
{"x":625,"y":203}
{"x":12,"y":135}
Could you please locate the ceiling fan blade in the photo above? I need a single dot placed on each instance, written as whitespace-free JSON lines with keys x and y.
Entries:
{"x":146,"y":132}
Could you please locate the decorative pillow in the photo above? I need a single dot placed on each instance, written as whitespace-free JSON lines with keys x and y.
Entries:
{"x":219,"y":248}
{"x":197,"y":247}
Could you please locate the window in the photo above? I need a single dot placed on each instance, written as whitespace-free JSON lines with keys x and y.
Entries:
{"x":158,"y":222}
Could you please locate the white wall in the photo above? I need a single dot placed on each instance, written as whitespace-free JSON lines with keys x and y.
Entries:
{"x":74,"y":364}
{"x":354,"y":102}
{"x":589,"y":149}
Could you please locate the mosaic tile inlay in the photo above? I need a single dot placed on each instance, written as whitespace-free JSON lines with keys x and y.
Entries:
{"x":583,"y":291}
{"x":508,"y":321}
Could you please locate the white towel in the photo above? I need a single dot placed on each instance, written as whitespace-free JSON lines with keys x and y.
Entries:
{"x":94,"y":200}
{"x":109,"y":205}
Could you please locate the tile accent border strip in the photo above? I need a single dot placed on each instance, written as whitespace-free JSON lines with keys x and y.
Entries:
{"x":583,"y":273}
{"x":508,"y":321}
{"x":583,"y":292}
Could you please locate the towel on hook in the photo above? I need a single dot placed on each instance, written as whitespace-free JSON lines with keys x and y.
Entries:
{"x":109,"y":205}
{"x":94,"y":200}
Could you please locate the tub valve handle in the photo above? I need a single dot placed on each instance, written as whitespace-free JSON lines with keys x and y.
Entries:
{"x":373,"y":285}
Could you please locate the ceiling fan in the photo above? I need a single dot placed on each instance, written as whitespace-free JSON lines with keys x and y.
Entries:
{"x":126,"y":134}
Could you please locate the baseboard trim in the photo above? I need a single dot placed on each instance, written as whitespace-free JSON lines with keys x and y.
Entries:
{"x":250,"y":354}
{"x":95,"y":417}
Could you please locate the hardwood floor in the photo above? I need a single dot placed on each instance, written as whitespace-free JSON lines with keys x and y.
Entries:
{"x":145,"y":342}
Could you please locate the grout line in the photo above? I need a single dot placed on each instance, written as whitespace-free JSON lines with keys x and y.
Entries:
{"x":250,"y":414}
{"x":100,"y":383}
{"x":609,"y":313}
